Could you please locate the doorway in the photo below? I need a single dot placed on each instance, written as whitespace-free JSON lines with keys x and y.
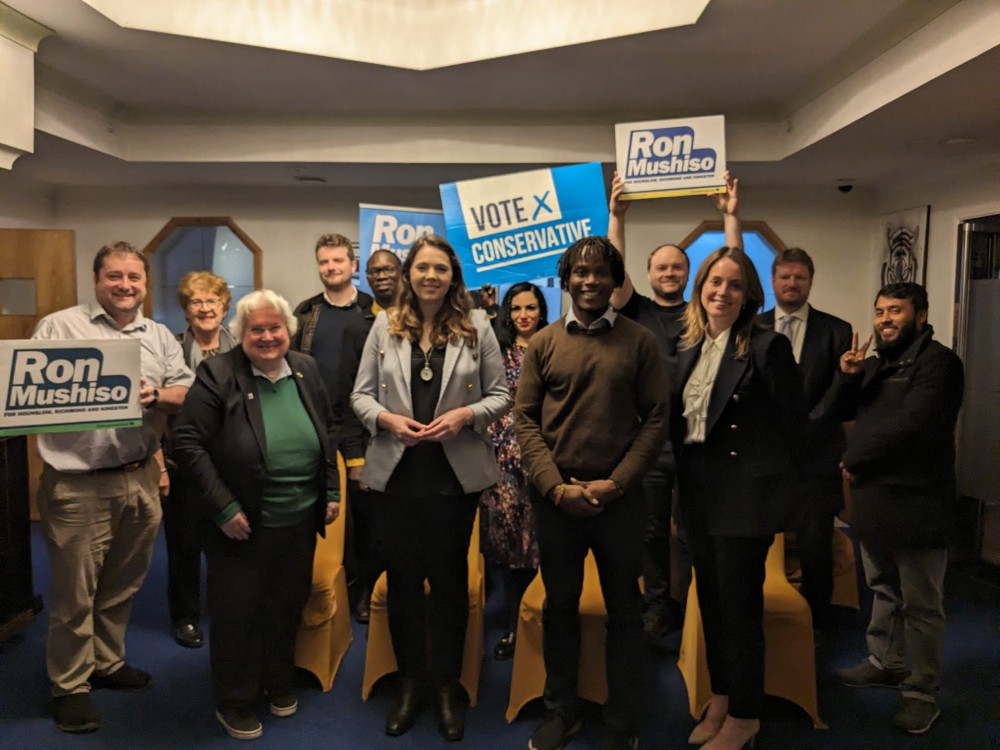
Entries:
{"x":977,"y":342}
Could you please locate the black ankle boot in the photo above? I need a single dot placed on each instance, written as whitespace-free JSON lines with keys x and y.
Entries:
{"x":451,"y":713}
{"x":504,"y":650}
{"x":405,"y":708}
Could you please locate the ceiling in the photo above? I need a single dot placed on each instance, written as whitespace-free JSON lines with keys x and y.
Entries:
{"x":813,"y":91}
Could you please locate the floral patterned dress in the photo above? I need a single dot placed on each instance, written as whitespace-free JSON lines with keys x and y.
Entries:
{"x":508,"y":535}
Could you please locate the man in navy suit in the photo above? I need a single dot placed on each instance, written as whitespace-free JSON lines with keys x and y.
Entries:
{"x":818,"y":341}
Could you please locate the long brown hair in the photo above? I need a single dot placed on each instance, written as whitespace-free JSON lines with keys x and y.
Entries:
{"x":696,"y":319}
{"x":452,"y":321}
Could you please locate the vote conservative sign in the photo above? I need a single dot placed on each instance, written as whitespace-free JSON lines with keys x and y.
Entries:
{"x":68,"y":386}
{"x":395,"y":229}
{"x":665,"y":158}
{"x":515,"y":227}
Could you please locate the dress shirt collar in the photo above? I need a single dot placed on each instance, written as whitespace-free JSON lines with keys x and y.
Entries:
{"x":284,"y":372}
{"x":718,"y":343}
{"x":607,"y":320}
{"x":96,"y":311}
{"x":354,"y":299}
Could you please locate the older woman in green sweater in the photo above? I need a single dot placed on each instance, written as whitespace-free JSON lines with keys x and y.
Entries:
{"x":257,"y":437}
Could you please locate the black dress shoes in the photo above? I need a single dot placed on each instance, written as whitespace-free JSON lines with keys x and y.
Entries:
{"x":504,"y":650}
{"x":189,"y":635}
{"x":405,"y":708}
{"x":451,"y":713}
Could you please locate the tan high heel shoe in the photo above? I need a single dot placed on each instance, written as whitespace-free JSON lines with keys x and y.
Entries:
{"x":712,"y":721}
{"x":735,"y":734}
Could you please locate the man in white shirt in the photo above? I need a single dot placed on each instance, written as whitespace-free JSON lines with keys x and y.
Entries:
{"x":99,"y":497}
{"x":818,"y":340}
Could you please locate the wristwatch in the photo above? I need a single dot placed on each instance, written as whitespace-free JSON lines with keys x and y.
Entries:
{"x":156,"y":398}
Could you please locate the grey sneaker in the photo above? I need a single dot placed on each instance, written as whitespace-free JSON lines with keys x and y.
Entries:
{"x":915,"y":715}
{"x":867,"y":674}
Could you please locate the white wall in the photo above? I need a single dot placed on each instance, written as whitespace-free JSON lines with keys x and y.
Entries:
{"x":25,"y":204}
{"x":960,"y":198}
{"x":840,"y":231}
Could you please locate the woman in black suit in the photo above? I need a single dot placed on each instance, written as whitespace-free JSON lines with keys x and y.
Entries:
{"x":257,"y":437}
{"x":738,"y":414}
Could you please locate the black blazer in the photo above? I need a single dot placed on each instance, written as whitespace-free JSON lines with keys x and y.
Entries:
{"x":827,"y":338}
{"x":220,"y":442}
{"x":746,"y":471}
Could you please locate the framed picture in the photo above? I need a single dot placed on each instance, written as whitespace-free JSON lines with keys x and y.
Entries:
{"x":904,"y":249}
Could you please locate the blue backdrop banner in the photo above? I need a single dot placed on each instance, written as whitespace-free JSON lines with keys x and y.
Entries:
{"x":515,"y":227}
{"x":392,"y":228}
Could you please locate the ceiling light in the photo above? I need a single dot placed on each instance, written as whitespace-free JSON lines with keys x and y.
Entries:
{"x":959,"y":141}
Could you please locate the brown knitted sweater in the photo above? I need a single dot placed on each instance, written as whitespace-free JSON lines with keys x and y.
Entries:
{"x":591,"y":406}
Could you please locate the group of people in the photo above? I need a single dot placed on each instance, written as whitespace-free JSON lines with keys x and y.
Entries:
{"x":597,"y":432}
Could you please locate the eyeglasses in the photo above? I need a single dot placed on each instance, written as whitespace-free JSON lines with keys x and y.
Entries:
{"x":382,"y":271}
{"x":204,"y":303}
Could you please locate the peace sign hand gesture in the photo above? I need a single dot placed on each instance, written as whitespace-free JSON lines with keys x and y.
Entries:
{"x":852,"y":361}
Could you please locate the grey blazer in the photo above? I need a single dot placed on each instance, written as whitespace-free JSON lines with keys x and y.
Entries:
{"x":472,"y":377}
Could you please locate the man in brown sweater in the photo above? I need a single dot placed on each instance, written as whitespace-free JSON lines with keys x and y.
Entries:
{"x":591,"y":418}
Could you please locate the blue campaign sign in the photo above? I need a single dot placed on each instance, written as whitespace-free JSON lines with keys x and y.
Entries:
{"x":515,"y":227}
{"x":392,"y":228}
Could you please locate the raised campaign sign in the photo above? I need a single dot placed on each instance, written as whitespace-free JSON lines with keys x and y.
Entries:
{"x":666,"y":158}
{"x":69,"y":386}
{"x":515,"y":227}
{"x":392,"y":228}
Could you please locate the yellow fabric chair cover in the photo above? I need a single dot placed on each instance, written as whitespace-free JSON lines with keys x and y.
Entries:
{"x":528,"y":678}
{"x":379,"y":657}
{"x":845,"y":574}
{"x":325,"y":631}
{"x":790,"y":658}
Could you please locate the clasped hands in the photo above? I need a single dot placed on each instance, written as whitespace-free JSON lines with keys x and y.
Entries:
{"x":588,"y":498}
{"x":409,"y":431}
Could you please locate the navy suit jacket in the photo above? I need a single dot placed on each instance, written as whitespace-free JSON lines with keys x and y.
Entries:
{"x":827,"y":338}
{"x":743,"y":481}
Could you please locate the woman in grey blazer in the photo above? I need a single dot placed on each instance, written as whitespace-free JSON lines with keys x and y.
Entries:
{"x":431,"y":380}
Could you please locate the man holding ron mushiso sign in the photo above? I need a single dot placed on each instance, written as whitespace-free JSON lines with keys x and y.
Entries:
{"x":99,"y":498}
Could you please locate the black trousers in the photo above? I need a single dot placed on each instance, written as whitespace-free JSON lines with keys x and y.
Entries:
{"x":615,"y":536}
{"x":658,"y":487}
{"x":729,"y":575}
{"x":182,"y":531}
{"x":366,"y":537}
{"x":813,"y":527}
{"x":257,"y":590}
{"x":427,"y":538}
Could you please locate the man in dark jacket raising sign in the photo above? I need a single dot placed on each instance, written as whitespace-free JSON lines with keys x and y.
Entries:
{"x":900,"y":461}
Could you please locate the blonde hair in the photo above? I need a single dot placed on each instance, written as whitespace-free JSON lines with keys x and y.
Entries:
{"x":452,"y":321}
{"x":695,"y":317}
{"x":256,"y":300}
{"x":193,"y":280}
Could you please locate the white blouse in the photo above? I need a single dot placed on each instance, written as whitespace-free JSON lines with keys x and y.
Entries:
{"x":698,"y":389}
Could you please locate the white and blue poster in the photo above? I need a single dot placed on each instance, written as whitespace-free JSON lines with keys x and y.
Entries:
{"x":392,"y":228}
{"x":667,"y":158}
{"x":69,"y":386}
{"x":515,"y":227}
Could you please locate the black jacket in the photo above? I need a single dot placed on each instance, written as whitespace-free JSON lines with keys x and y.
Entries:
{"x":827,"y":337}
{"x":753,"y":439}
{"x":219,"y":438}
{"x":902,"y":448}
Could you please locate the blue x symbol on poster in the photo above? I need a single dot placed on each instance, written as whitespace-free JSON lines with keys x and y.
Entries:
{"x":540,"y":200}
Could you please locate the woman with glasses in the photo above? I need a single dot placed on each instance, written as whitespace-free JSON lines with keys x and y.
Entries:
{"x":205,"y":299}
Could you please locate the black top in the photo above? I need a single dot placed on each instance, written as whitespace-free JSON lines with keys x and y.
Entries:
{"x":327,"y":343}
{"x":424,"y":468}
{"x":665,"y":323}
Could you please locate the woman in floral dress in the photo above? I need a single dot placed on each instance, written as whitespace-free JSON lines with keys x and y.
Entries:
{"x":508,"y":529}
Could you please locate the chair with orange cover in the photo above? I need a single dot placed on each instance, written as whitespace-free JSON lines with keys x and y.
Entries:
{"x":379,"y":657}
{"x":789,"y":657}
{"x":528,"y":678}
{"x":325,"y":631}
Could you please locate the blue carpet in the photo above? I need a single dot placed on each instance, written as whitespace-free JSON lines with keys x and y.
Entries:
{"x":177,"y":712}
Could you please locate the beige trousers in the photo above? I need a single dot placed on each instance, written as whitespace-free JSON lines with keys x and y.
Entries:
{"x":99,"y":530}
